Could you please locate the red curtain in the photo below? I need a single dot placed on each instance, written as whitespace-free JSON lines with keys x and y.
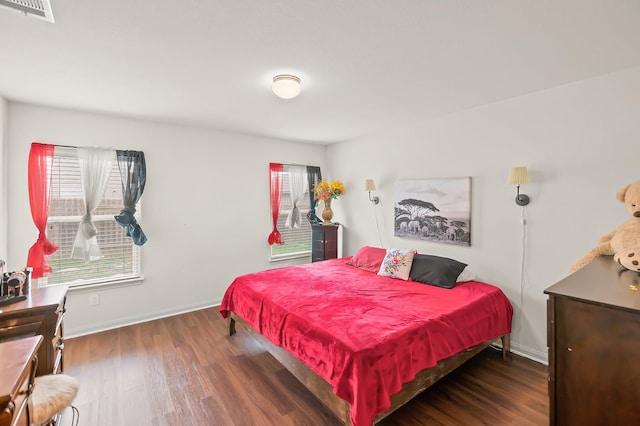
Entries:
{"x":275,"y":173}
{"x":40,"y":164}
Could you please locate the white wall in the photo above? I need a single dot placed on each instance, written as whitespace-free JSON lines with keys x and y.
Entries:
{"x":205,"y":208}
{"x":581,"y":143}
{"x":4,"y":142}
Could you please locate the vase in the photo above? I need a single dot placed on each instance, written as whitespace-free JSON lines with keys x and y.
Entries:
{"x":327,"y":213}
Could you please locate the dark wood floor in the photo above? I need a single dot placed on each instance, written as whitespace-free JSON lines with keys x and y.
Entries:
{"x":184,"y":370}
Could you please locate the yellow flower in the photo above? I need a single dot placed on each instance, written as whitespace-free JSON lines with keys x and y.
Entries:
{"x":324,"y":190}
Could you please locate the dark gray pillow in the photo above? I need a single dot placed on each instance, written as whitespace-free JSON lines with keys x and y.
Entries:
{"x":435,"y":270}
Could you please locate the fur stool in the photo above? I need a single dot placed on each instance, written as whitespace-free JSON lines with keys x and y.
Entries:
{"x":51,"y":395}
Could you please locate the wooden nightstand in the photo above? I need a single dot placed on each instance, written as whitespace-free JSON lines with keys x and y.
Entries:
{"x":324,"y":242}
{"x":17,"y":373}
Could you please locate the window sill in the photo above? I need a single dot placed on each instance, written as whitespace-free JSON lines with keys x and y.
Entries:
{"x":125,"y":282}
{"x":285,"y":258}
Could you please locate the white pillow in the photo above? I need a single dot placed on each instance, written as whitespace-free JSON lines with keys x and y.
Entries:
{"x":467,"y":275}
{"x":397,"y":263}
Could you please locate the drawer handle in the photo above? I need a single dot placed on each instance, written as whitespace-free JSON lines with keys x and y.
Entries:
{"x":58,"y":323}
{"x":27,"y":391}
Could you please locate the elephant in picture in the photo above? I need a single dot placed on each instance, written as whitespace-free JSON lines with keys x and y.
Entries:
{"x":414,"y":226}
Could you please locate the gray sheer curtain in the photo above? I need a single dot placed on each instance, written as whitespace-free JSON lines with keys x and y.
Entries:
{"x":314,"y":175}
{"x":133,"y":174}
{"x":95,"y":169}
{"x":297,"y":186}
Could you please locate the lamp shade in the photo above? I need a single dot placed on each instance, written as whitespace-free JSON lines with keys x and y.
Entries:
{"x":518,"y":175}
{"x":286,"y":86}
{"x":369,"y":185}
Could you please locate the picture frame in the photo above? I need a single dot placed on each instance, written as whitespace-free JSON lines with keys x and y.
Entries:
{"x":437,"y":210}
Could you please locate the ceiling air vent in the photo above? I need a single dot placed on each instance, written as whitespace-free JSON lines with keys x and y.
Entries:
{"x":38,"y":8}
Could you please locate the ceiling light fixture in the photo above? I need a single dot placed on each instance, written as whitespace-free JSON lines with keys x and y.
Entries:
{"x":286,"y":86}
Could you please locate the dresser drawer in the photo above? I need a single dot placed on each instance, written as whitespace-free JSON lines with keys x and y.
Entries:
{"x":19,"y":331}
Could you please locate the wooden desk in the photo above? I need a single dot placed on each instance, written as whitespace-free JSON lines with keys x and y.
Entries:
{"x":18,"y":363}
{"x":594,"y":346}
{"x":42,"y":313}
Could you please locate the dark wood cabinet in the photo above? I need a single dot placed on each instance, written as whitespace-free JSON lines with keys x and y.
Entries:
{"x":593,"y":335}
{"x":324,"y":242}
{"x":42,"y":313}
{"x":16,"y":380}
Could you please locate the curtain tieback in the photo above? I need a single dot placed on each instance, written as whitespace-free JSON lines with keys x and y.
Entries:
{"x":47,"y":246}
{"x":126,"y":216}
{"x":127,"y":220}
{"x":295,"y":216}
{"x":89,"y":229}
{"x":275,"y":237}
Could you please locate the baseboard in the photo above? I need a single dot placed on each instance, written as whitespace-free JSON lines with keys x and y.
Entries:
{"x":532,"y":354}
{"x":70,"y":333}
{"x":526,"y":352}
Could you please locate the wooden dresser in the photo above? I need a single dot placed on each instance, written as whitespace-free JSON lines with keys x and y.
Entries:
{"x":42,"y":313}
{"x":18,"y":363}
{"x":593,"y":335}
{"x":324,"y":242}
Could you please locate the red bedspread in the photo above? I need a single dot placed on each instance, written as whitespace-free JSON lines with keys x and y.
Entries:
{"x":364,"y":334}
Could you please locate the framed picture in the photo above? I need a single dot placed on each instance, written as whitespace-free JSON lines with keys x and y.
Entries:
{"x":434,"y":210}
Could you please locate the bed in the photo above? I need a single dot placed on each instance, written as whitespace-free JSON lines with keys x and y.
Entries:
{"x":363,"y":343}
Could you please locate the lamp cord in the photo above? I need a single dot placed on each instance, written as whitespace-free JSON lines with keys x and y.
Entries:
{"x":522,"y":268}
{"x":377,"y":225}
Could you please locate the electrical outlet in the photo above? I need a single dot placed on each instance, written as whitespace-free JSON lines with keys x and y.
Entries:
{"x":94,"y":299}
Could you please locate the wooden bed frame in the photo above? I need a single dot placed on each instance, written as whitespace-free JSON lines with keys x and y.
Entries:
{"x":340,"y":408}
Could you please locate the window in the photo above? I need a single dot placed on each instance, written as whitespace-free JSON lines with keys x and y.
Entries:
{"x":297,"y":241}
{"x":120,"y":258}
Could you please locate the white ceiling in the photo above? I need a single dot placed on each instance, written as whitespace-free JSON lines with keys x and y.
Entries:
{"x":365,"y":65}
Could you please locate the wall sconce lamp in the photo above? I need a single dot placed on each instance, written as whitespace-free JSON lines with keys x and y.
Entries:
{"x":518,"y":176}
{"x":286,"y":86}
{"x":369,"y":185}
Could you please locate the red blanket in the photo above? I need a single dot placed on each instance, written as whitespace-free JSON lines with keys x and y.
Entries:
{"x":364,"y":334}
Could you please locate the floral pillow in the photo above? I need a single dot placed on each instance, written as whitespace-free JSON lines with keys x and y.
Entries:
{"x":397,"y":263}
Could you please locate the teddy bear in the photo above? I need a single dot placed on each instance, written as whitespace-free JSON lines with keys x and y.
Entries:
{"x":623,"y":243}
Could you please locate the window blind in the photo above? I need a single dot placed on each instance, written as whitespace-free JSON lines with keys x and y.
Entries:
{"x":120,"y":258}
{"x":297,"y":241}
